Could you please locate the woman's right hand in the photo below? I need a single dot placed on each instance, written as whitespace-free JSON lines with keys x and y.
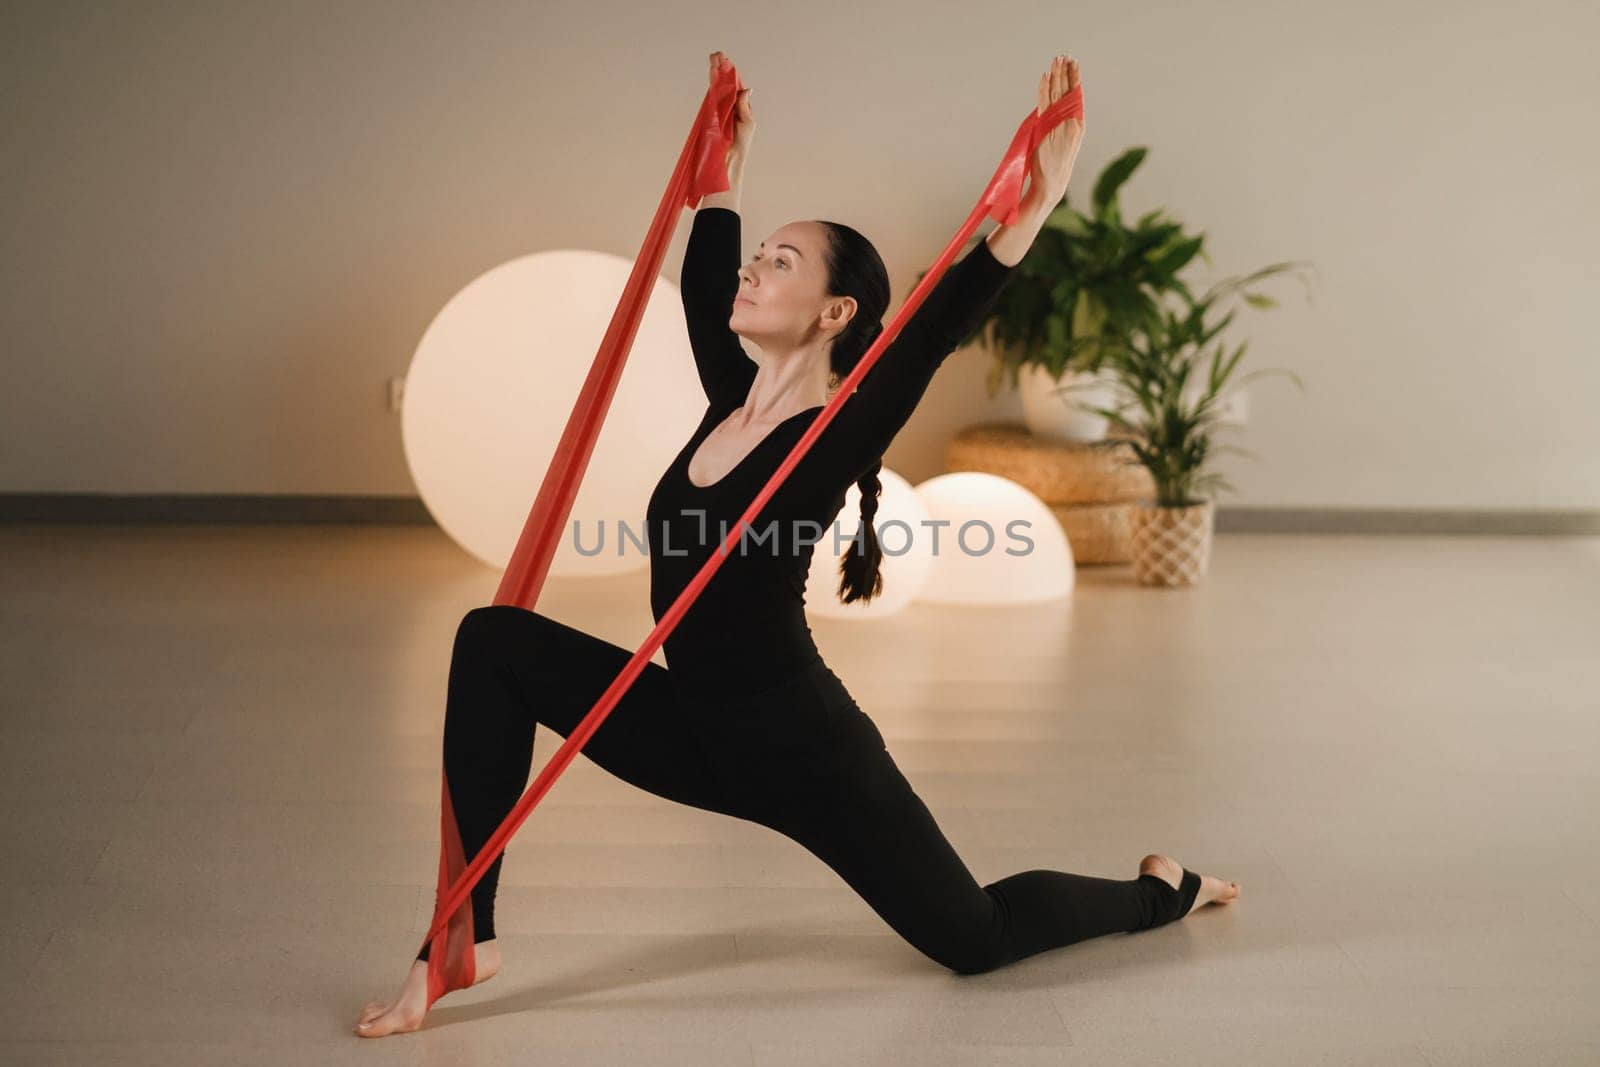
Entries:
{"x":744,"y":118}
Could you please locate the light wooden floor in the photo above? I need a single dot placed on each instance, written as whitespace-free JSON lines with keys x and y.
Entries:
{"x":220,"y":778}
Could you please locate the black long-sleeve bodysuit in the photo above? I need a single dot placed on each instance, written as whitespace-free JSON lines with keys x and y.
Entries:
{"x":747,"y":720}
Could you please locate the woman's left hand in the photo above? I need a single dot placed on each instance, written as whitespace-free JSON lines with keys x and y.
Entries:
{"x":1050,"y":167}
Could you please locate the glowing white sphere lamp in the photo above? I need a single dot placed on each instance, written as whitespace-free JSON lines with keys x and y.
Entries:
{"x":493,"y":381}
{"x":997,"y":543}
{"x":907,"y":554}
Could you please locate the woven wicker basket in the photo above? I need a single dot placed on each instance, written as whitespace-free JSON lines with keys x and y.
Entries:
{"x":1057,"y":472}
{"x":1098,"y":533}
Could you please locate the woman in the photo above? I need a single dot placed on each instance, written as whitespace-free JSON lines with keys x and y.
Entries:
{"x":747,"y":720}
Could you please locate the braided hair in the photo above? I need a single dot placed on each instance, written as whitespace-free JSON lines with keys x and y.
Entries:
{"x":856,"y":270}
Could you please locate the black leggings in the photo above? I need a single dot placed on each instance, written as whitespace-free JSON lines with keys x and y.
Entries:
{"x":799,"y":757}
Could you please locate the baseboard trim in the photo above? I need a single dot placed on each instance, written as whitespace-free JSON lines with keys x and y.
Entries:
{"x":1466,"y":521}
{"x":202,"y":508}
{"x":102,"y":508}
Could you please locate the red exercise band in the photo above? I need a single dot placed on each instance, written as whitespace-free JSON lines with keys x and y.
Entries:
{"x":701,"y":169}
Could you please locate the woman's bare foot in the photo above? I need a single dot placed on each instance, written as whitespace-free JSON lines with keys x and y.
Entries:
{"x":1169,"y":870}
{"x":404,"y":1013}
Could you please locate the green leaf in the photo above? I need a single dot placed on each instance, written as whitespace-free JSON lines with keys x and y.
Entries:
{"x":1116,"y":172}
{"x":1178,"y":256}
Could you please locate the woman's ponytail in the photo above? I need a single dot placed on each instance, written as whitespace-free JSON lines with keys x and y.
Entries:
{"x":856,"y":270}
{"x":859,"y":568}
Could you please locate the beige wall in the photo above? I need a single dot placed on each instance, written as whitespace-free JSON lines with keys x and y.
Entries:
{"x":227,"y":225}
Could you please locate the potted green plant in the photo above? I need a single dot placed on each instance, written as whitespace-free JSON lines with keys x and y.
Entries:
{"x":1085,"y":282}
{"x":1172,"y":402}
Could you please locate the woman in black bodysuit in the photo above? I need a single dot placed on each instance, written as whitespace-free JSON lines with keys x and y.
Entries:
{"x":747,"y":720}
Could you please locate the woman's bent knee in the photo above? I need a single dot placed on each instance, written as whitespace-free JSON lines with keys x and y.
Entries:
{"x":976,"y":959}
{"x":973,"y":951}
{"x":484,"y":625}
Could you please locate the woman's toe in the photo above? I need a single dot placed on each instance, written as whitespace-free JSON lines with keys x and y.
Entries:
{"x":383,"y":1025}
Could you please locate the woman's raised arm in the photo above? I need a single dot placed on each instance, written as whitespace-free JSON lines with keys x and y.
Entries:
{"x":708,"y":284}
{"x":743,"y":134}
{"x":710,"y":277}
{"x":891,"y":390}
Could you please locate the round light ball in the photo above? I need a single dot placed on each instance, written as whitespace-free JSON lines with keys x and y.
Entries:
{"x":998,"y":543}
{"x":493,"y":382}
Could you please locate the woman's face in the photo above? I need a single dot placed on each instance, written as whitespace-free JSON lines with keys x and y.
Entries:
{"x":782,"y":300}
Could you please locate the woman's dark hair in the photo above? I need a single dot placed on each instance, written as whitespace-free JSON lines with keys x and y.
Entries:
{"x":856,"y":270}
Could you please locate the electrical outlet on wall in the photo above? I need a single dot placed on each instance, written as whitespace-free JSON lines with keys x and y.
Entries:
{"x":397,"y":393}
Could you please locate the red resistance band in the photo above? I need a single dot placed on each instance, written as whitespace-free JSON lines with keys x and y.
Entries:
{"x":701,"y":170}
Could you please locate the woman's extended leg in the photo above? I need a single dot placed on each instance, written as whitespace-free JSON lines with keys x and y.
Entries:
{"x":869,"y":825}
{"x":512,"y":669}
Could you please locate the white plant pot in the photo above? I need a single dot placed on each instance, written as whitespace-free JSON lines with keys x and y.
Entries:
{"x":1056,"y":409}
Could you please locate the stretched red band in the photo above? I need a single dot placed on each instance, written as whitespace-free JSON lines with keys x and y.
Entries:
{"x":701,"y":169}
